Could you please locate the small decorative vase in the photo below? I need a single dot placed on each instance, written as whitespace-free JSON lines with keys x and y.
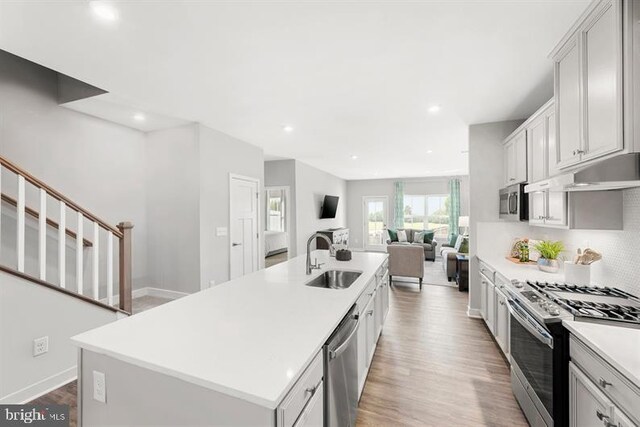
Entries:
{"x":548,"y":265}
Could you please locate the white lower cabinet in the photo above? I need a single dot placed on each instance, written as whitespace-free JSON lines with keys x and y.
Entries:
{"x":491,"y":307}
{"x":494,"y":306}
{"x":621,"y":420}
{"x":502,"y":322}
{"x":588,"y":407}
{"x":371,"y":327}
{"x":313,"y":413}
{"x":484,"y":287}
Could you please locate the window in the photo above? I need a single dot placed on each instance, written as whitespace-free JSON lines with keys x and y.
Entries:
{"x":276,"y":205}
{"x":427,"y":212}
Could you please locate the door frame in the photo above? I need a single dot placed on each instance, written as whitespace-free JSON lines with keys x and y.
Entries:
{"x":287,"y":212}
{"x":365,"y":230}
{"x":232,"y":177}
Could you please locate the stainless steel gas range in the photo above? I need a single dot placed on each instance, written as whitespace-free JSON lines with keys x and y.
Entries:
{"x":539,"y":344}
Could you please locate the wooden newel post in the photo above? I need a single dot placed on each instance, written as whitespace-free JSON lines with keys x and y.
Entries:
{"x":125,"y":266}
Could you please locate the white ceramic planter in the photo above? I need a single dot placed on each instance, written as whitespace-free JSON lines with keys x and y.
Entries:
{"x":548,"y":265}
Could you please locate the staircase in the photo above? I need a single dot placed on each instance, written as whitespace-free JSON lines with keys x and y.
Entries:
{"x":44,"y":232}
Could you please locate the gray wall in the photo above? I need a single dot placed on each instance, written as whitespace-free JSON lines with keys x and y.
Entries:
{"x":311,"y":186}
{"x":385,"y":187}
{"x":29,"y":311}
{"x":93,"y":162}
{"x":282,"y":173}
{"x":486,"y":178}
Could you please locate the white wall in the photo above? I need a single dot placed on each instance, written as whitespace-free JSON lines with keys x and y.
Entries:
{"x":617,"y":267}
{"x":485,"y":178}
{"x":385,"y":187}
{"x":93,"y":162}
{"x":311,"y":186}
{"x":221,"y":155}
{"x":173,"y":203}
{"x":29,"y":311}
{"x":282,"y":173}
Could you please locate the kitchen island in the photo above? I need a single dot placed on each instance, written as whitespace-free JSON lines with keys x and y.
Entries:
{"x":232,"y":354}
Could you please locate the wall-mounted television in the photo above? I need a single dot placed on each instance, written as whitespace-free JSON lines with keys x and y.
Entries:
{"x":329,"y":207}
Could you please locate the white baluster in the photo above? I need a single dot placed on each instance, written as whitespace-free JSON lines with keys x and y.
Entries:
{"x":96,"y":258}
{"x":110,"y":268}
{"x":42,"y":235}
{"x":62,"y":246}
{"x":79,"y":249}
{"x":20,"y":237}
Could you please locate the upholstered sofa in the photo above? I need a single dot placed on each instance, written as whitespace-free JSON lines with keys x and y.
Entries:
{"x":429,"y":248}
{"x":448,"y":254}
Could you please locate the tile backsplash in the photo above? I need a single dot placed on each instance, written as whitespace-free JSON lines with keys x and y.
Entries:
{"x":620,"y":266}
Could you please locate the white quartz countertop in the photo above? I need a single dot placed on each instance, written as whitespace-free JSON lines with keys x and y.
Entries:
{"x":521,"y":272}
{"x":619,"y":346}
{"x":249,"y":338}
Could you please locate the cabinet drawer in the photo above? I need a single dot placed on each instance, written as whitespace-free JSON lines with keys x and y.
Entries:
{"x":488,"y":271}
{"x":618,"y":389}
{"x":302,"y":392}
{"x":366,"y":295}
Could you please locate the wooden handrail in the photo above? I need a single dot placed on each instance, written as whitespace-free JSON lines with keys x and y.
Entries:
{"x":35,"y":214}
{"x":56,"y":195}
{"x":63,"y":290}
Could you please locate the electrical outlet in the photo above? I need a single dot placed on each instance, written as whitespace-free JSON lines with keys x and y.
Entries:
{"x":40,"y":346}
{"x":99,"y":387}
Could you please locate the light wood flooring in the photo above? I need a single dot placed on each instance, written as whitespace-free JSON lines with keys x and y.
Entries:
{"x":276,"y":259}
{"x":434,"y":366}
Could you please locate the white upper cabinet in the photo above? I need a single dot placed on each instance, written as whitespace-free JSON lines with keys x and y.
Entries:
{"x":567,"y":94}
{"x":588,"y":87}
{"x":515,"y":159}
{"x":536,"y":134}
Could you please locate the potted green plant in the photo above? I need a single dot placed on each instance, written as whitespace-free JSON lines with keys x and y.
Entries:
{"x":549,"y":253}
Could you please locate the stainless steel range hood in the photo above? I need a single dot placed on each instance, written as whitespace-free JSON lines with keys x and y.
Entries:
{"x":615,"y":173}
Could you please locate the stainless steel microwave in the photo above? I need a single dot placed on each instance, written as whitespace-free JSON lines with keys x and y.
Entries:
{"x":514,"y":203}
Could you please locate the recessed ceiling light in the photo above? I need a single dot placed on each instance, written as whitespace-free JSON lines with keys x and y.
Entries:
{"x":354,"y":157}
{"x":429,"y":151}
{"x":104,"y":11}
{"x":434,"y":109}
{"x":287,"y":128}
{"x":139,"y":117}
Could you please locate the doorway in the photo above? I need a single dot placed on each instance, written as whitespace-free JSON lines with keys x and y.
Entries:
{"x":375,"y":218}
{"x":277,"y":233}
{"x":244,"y":236}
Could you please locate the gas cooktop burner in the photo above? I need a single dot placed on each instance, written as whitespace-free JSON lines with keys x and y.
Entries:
{"x":580,"y":289}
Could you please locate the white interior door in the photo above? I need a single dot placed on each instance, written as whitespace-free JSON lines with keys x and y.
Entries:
{"x":375,"y":220}
{"x":243,"y":230}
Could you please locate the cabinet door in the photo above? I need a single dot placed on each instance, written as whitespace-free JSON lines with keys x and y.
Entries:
{"x":385,"y":298}
{"x":552,"y":146}
{"x":491,"y":307}
{"x":520,"y":157}
{"x":620,"y":419}
{"x":567,"y":90}
{"x":602,"y":51}
{"x":363,"y":353}
{"x":378,"y":312}
{"x":313,"y":413}
{"x":508,"y":158}
{"x":483,"y":296}
{"x":370,"y":322}
{"x":536,"y":135}
{"x":502,"y":322}
{"x":556,"y":208}
{"x":588,"y":407}
{"x":537,"y":207}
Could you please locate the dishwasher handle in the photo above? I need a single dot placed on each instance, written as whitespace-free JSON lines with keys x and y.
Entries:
{"x":342,"y":347}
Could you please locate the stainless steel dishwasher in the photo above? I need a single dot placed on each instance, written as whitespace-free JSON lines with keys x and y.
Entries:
{"x":341,"y":373}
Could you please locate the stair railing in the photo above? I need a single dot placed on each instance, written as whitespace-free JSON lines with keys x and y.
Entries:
{"x":122,"y":232}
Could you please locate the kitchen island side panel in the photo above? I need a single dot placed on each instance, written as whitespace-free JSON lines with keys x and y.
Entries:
{"x":140,"y":397}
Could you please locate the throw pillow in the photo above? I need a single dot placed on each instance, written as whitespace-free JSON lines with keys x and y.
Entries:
{"x":428,"y":236}
{"x":393,"y":235}
{"x":402,"y":236}
{"x":418,"y":237}
{"x":454,"y":238}
{"x":464,"y":246}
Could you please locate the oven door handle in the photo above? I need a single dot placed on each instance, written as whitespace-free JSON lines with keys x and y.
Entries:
{"x":529,"y":323}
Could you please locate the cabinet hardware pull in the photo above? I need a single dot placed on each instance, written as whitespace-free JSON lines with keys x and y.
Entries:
{"x":369,"y":313}
{"x":601,"y":416}
{"x":311,"y":390}
{"x":579,"y":151}
{"x":603,"y":383}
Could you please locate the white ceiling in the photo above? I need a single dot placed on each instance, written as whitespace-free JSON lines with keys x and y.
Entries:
{"x":351,"y":78}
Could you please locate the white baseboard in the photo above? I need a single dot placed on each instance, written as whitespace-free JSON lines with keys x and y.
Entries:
{"x":40,"y":388}
{"x":474,"y":313}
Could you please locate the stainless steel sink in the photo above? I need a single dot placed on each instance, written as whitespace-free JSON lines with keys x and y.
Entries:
{"x":335,"y":279}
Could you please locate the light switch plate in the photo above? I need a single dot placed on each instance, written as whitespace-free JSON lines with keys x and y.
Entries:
{"x":99,"y":387}
{"x":221,"y":231}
